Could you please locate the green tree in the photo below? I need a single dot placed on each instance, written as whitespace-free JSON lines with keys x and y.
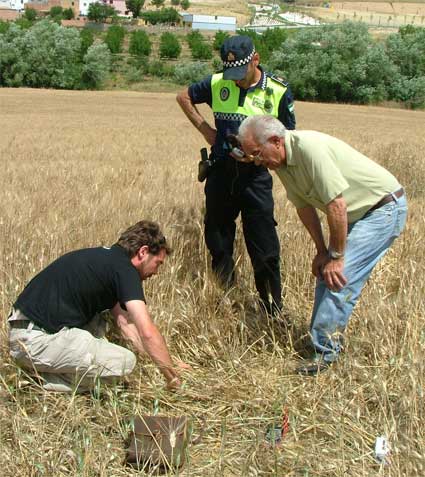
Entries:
{"x":4,"y":26}
{"x":97,"y":62}
{"x":411,"y":91}
{"x":99,"y":12}
{"x":407,"y":50}
{"x":134,"y":6}
{"x":165,"y":15}
{"x":185,"y":4}
{"x":175,"y":3}
{"x":140,"y":44}
{"x":68,"y":14}
{"x":87,"y":39}
{"x":52,"y":56}
{"x":56,"y":11}
{"x":194,"y":37}
{"x":30,"y":14}
{"x":56,"y":14}
{"x":335,"y":63}
{"x":271,"y":40}
{"x":115,"y":38}
{"x":219,"y":38}
{"x":202,"y":51}
{"x":157,"y":3}
{"x":169,"y":46}
{"x":12,"y":62}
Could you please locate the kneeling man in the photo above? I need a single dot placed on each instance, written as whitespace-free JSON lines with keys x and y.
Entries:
{"x":365,"y":207}
{"x":56,"y":330}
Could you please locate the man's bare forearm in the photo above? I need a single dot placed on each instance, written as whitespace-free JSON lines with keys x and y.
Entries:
{"x":195,"y":117}
{"x":336,"y":212}
{"x":311,"y":222}
{"x":137,"y":327}
{"x":190,"y":110}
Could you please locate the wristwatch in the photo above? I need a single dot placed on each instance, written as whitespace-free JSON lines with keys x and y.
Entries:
{"x":335,"y":255}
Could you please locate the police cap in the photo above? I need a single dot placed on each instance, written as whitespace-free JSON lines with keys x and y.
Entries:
{"x":236,"y":53}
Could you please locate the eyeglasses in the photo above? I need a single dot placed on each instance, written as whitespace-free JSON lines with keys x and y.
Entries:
{"x":255,"y":157}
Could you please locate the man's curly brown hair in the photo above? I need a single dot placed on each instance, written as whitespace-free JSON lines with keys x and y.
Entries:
{"x":143,"y":233}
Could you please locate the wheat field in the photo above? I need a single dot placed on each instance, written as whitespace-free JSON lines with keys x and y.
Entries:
{"x":79,"y":167}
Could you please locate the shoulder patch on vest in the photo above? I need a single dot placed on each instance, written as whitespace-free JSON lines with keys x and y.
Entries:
{"x":278,"y":79}
{"x":224,"y":93}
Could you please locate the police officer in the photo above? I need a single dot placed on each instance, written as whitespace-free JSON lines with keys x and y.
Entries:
{"x":243,"y":89}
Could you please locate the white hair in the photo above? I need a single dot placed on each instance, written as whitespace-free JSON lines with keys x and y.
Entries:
{"x":262,"y":128}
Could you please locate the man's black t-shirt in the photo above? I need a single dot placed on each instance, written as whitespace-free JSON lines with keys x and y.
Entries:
{"x":76,"y":286}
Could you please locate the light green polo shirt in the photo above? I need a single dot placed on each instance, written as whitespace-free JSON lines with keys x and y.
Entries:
{"x":320,"y":167}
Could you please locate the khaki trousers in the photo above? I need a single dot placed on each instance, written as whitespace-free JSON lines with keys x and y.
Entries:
{"x":75,"y":356}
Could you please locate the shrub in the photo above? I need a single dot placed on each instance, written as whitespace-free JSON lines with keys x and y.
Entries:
{"x":4,"y":26}
{"x":335,"y":63}
{"x":12,"y":64}
{"x":139,"y":62}
{"x":68,"y":14}
{"x":140,"y":44}
{"x":87,"y":39}
{"x":193,"y":38}
{"x":24,"y":23}
{"x":411,"y":91}
{"x":134,"y":74}
{"x":96,"y":66}
{"x":202,"y":51}
{"x":51,"y":55}
{"x":169,"y":46}
{"x":165,"y":15}
{"x":160,"y":69}
{"x":217,"y":64}
{"x":186,"y":73}
{"x":30,"y":14}
{"x":115,"y":38}
{"x":56,"y":11}
{"x":99,"y":12}
{"x":406,"y":49}
{"x":219,"y":38}
{"x":134,"y":6}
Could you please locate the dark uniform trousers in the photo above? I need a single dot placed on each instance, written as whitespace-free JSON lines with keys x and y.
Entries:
{"x":252,"y":198}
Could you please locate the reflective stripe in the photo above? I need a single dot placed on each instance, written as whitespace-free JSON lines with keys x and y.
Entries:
{"x":230,"y":116}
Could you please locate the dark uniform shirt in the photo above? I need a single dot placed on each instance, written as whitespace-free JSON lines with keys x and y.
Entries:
{"x":78,"y":285}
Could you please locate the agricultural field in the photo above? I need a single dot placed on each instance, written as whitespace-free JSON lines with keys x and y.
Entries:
{"x":377,"y":14}
{"x":77,"y":169}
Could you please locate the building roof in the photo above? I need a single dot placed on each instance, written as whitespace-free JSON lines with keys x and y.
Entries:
{"x":195,"y":18}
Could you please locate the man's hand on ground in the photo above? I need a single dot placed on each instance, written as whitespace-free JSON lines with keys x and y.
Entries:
{"x":174,"y":384}
{"x":183,"y":366}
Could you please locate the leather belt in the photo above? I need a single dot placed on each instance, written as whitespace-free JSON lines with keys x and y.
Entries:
{"x":388,"y":198}
{"x":24,"y":324}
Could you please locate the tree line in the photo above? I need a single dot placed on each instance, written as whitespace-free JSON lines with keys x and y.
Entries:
{"x":332,"y":63}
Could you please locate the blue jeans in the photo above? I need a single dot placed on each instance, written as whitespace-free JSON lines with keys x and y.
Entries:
{"x":368,"y":240}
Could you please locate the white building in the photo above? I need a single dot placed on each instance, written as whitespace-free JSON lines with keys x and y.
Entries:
{"x":208,"y":22}
{"x":84,"y":5}
{"x":13,"y":4}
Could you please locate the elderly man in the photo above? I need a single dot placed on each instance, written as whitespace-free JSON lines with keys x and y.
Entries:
{"x":241,"y":90}
{"x":56,"y":330}
{"x":365,"y":207}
